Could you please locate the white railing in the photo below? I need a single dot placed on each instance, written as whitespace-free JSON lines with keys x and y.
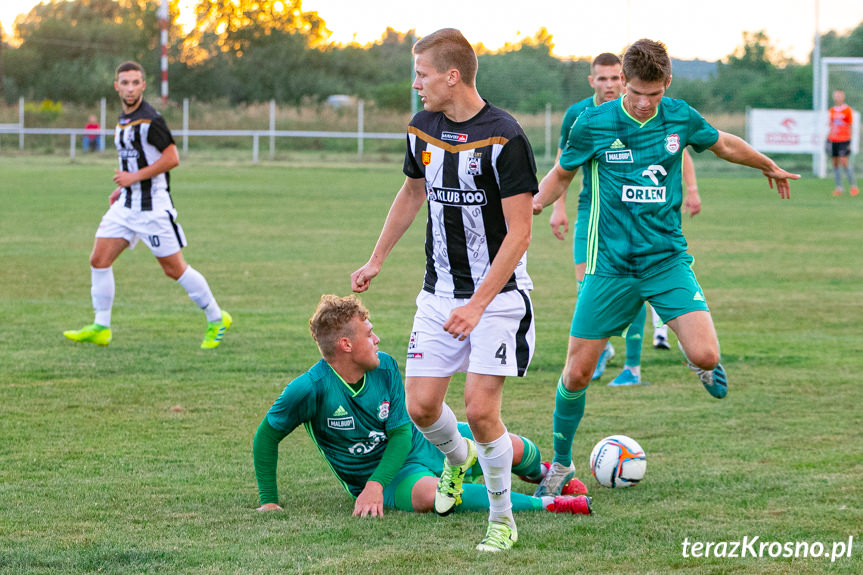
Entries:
{"x":182,"y":136}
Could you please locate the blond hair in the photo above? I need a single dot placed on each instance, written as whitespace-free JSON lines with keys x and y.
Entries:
{"x":331,"y":321}
{"x":448,"y":48}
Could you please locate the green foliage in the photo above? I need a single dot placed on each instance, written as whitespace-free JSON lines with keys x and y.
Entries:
{"x":136,"y":458}
{"x":257,"y":50}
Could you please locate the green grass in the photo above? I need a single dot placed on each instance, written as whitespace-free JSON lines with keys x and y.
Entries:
{"x":137,"y":458}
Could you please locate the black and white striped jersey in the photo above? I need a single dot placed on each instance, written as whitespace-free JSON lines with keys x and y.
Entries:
{"x":468,"y":168}
{"x":140,"y":138}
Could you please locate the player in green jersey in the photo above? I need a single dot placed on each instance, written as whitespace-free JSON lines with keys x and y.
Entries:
{"x":607,"y":82}
{"x":352,"y":405}
{"x":631,"y":149}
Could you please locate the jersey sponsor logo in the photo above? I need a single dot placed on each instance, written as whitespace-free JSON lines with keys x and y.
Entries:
{"x":644,"y":194}
{"x":426,"y":157}
{"x":128,"y":154}
{"x":618,"y":156}
{"x":698,"y":296}
{"x":415,"y":355}
{"x":454,"y":197}
{"x":617,"y":144}
{"x":672,"y":143}
{"x":453,"y":137}
{"x":651,"y":172}
{"x":376,"y":439}
{"x":341,"y":423}
{"x":384,"y":410}
{"x":340,"y":412}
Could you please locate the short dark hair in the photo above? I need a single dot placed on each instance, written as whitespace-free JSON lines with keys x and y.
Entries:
{"x":605,"y":59}
{"x":450,"y":49}
{"x":129,"y":66}
{"x":648,"y":61}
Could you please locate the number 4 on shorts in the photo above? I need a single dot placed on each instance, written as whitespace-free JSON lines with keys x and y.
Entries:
{"x":501,"y":354}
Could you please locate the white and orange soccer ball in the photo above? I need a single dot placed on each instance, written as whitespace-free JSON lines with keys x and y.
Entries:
{"x":618,"y":461}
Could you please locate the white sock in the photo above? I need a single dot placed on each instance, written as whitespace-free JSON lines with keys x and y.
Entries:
{"x":657,"y":323}
{"x":102,"y":293}
{"x":444,"y":435}
{"x":495,"y":458}
{"x":199,"y":290}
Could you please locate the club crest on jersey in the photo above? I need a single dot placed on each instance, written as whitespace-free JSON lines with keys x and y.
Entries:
{"x":453,"y":137}
{"x":672,"y":143}
{"x":426,"y":158}
{"x":384,"y":410}
{"x":473,"y":166}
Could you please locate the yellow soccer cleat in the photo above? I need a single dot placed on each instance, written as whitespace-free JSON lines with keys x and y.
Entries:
{"x":216,"y":330}
{"x":93,"y":333}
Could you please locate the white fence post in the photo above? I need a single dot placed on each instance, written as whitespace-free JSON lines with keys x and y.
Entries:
{"x":360,"y":121}
{"x":185,"y":126}
{"x":272,"y":129}
{"x":103,"y":105}
{"x":548,"y":131}
{"x":21,"y":123}
{"x":72,"y":138}
{"x":255,"y":144}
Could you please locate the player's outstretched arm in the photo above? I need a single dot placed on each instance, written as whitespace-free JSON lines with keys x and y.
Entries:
{"x":403,"y":211}
{"x":552,"y":187}
{"x":733,"y":149}
{"x":265,"y":452}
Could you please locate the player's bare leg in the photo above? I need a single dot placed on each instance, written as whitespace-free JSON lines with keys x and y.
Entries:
{"x":697,"y":339}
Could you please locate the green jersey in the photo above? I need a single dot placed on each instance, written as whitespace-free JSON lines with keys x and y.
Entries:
{"x":350,"y":427}
{"x":633,"y":174}
{"x":569,"y":117}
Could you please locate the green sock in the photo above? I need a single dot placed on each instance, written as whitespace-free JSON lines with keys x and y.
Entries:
{"x":475,"y":498}
{"x":634,"y":336}
{"x":530,"y":466}
{"x":568,"y":411}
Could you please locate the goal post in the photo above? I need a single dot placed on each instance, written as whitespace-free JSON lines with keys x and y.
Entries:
{"x":844,"y":74}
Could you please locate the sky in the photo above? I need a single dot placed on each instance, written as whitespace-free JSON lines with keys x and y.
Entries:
{"x":689,"y":28}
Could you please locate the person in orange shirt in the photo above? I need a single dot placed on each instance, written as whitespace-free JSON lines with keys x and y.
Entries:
{"x":841,"y":123}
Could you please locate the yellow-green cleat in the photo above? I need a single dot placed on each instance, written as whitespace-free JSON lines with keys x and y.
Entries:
{"x":449,"y":486}
{"x":499,"y":537}
{"x":93,"y":333}
{"x":216,"y":330}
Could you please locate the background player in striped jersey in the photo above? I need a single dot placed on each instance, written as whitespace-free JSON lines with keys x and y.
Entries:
{"x":473,"y":166}
{"x":636,"y":249}
{"x":352,"y":405}
{"x":141,"y":207}
{"x":841,"y":128}
{"x":607,"y":83}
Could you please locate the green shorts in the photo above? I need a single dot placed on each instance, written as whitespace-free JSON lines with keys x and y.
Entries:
{"x":607,"y":305}
{"x":398,"y":493}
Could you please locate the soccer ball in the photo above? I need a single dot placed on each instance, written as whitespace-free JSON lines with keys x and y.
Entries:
{"x":617,"y":461}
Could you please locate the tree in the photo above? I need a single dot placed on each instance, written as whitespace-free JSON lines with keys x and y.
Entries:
{"x":233,"y":25}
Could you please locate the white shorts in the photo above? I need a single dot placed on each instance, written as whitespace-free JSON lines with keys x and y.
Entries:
{"x":158,"y":228}
{"x":502,"y":343}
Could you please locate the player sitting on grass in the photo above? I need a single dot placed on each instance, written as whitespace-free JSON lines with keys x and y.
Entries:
{"x":352,"y":404}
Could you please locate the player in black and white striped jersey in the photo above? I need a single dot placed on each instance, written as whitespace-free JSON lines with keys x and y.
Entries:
{"x":141,"y":207}
{"x":473,"y":166}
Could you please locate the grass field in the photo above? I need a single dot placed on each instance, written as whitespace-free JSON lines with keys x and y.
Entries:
{"x":136,"y":458}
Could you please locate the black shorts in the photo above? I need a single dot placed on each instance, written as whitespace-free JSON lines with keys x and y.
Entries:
{"x":840,"y":149}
